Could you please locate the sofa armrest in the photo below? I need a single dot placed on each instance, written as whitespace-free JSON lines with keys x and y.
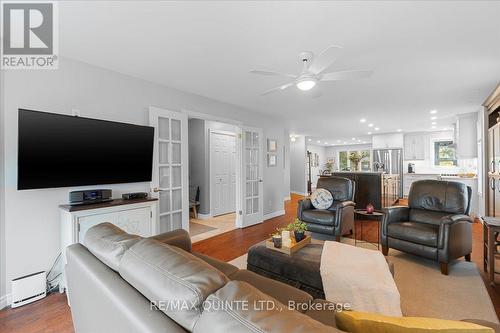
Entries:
{"x":303,"y":204}
{"x":179,"y":238}
{"x":393,"y":214}
{"x":448,"y":219}
{"x":343,"y":204}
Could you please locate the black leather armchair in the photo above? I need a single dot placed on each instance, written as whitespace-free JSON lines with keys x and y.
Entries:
{"x":435,"y":224}
{"x":335,"y":221}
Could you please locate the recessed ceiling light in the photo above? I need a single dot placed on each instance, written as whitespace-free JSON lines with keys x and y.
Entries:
{"x":309,"y":140}
{"x":345,"y":142}
{"x":399,"y":130}
{"x":434,"y":118}
{"x":354,"y":138}
{"x":318,"y":141}
{"x":359,"y":140}
{"x":326,"y":143}
{"x":362,"y":120}
{"x":433,"y":123}
{"x":376,"y":128}
{"x":434,"y":111}
{"x":369,"y":133}
{"x":293,"y":139}
{"x":370,"y":125}
{"x":364,"y":141}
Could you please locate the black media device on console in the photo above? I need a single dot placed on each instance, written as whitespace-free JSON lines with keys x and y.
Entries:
{"x":135,"y":195}
{"x":88,"y":197}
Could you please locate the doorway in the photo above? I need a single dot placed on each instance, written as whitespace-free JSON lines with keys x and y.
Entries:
{"x":213,"y":160}
{"x":181,"y":179}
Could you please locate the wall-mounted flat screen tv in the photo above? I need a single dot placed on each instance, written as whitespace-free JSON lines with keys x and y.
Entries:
{"x":58,"y":150}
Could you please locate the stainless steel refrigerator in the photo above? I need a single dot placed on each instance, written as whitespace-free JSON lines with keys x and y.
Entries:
{"x":390,"y":163}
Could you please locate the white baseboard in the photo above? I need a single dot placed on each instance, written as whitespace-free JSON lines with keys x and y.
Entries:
{"x":274,"y":214}
{"x":204,"y":216}
{"x":287,"y":198}
{"x":5,"y":301}
{"x":299,"y":193}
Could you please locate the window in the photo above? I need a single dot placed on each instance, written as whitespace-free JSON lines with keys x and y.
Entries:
{"x":346,"y":165}
{"x":444,"y":153}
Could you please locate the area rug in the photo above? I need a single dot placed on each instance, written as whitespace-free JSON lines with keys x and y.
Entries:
{"x":197,"y":228}
{"x":425,"y":292}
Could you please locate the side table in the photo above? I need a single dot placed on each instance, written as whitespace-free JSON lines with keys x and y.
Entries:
{"x":365,"y":216}
{"x":491,"y":231}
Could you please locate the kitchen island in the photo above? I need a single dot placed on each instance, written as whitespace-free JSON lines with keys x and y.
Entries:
{"x":378,"y":188}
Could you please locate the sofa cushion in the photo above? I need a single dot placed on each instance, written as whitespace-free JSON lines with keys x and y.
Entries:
{"x":238,"y":307}
{"x":222,"y":266}
{"x":284,"y":293}
{"x":361,"y":322}
{"x":108,"y":243}
{"x":418,"y":233}
{"x":426,"y":216}
{"x":175,"y":280}
{"x":322,"y":311}
{"x":177,"y":237}
{"x":319,"y":216}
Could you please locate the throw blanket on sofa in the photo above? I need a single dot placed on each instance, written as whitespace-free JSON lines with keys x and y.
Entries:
{"x":359,"y":277}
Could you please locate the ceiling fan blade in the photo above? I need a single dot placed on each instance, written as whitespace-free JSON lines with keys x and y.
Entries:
{"x":346,"y":75}
{"x":282,"y":87}
{"x":271,"y":73}
{"x":325,"y":59}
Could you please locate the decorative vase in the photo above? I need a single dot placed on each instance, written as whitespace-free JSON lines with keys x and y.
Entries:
{"x":277,"y":241}
{"x":299,"y":235}
{"x":370,"y":209}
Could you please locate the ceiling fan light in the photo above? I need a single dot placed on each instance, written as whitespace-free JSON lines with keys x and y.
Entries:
{"x":306,"y":84}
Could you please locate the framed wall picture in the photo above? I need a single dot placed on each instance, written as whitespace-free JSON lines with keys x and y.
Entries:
{"x":272,"y":145}
{"x":272,"y":160}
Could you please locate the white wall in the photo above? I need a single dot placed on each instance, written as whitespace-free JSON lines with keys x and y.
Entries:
{"x":32,"y":216}
{"x":321,"y":151}
{"x":298,"y":182}
{"x":3,"y":299}
{"x":286,"y":165}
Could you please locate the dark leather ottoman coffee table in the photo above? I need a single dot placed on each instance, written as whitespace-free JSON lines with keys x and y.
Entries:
{"x":301,"y":269}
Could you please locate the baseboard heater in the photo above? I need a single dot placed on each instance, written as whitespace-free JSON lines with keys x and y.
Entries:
{"x":28,"y":288}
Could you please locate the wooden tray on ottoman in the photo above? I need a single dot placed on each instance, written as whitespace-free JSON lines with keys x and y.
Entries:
{"x":289,"y":250}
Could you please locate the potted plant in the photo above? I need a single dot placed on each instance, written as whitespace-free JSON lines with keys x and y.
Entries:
{"x":277,"y":241}
{"x":355,"y":157}
{"x":299,"y":228}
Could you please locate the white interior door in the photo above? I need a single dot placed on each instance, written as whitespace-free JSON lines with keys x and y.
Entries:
{"x":170,"y":168}
{"x":223,"y":172}
{"x":252,"y":176}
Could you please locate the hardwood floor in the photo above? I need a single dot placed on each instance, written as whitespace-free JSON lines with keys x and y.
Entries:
{"x":52,"y":314}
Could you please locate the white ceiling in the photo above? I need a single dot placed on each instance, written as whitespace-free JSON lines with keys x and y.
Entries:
{"x":442,"y":55}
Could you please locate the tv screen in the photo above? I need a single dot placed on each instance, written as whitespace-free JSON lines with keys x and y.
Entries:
{"x":58,"y":150}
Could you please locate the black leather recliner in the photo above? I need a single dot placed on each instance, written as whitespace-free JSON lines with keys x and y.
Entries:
{"x":435,"y":224}
{"x":335,"y":221}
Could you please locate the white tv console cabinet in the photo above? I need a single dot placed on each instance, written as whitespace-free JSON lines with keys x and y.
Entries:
{"x":136,"y":216}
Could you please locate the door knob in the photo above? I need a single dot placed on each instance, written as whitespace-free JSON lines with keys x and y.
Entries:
{"x":260,"y":180}
{"x":156,"y":190}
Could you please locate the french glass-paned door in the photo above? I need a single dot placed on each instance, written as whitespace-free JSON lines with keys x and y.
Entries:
{"x":169,"y":182}
{"x":253,"y":168}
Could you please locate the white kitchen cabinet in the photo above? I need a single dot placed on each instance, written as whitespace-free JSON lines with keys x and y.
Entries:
{"x":414,"y":145}
{"x":466,"y":135}
{"x":383,"y":141}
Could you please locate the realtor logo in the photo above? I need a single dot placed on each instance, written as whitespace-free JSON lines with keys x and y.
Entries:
{"x":29,"y":35}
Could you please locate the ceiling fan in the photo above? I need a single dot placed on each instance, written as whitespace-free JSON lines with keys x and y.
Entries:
{"x":312,"y":71}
